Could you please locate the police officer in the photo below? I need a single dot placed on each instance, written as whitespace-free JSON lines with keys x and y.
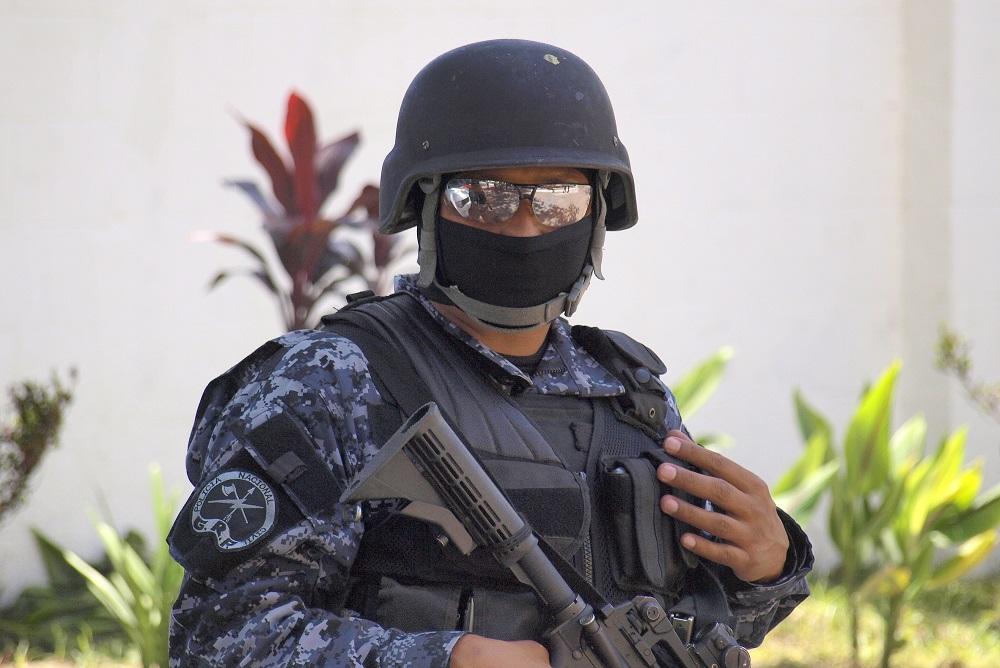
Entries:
{"x":508,"y":162}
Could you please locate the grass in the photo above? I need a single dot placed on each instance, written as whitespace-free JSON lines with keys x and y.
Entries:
{"x":956,"y":627}
{"x":80,"y":653}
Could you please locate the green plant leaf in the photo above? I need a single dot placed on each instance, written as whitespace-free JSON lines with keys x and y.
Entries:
{"x":815,"y":455}
{"x":866,"y":446}
{"x":981,"y":517}
{"x":59,"y":574}
{"x":126,"y":592}
{"x":970,"y":553}
{"x":948,"y":464}
{"x":103,"y":590}
{"x":137,"y":574}
{"x":800,"y":501}
{"x":908,"y":443}
{"x":695,"y":387}
{"x":941,"y":482}
{"x":112,"y":545}
{"x":960,"y":497}
{"x":890,"y":580}
{"x":888,"y":509}
{"x":922,"y":563}
{"x":811,"y":422}
{"x":969,"y":484}
{"x":889,"y":543}
{"x":716,"y":441}
{"x":840,"y":517}
{"x":906,"y":523}
{"x":163,"y":516}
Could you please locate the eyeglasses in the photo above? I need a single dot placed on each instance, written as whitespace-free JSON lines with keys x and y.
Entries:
{"x":491,"y":202}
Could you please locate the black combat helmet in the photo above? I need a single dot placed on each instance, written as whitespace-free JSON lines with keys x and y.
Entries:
{"x":504,"y":103}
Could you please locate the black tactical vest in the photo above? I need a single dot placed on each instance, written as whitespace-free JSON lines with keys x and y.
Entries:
{"x":546,"y":452}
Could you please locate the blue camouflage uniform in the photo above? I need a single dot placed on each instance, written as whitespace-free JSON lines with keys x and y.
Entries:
{"x":281,"y":604}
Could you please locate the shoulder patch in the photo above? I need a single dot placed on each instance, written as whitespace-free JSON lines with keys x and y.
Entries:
{"x":230,"y":516}
{"x":236,"y":507}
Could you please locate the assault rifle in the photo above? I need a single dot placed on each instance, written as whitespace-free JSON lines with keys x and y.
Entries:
{"x":428,"y":465}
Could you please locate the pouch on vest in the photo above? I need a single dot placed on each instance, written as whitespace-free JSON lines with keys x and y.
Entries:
{"x":647,"y":403}
{"x":646,"y":542}
{"x":273,"y":482}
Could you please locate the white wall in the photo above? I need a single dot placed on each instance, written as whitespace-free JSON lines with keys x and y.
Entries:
{"x":974,"y":290}
{"x":775,"y":152}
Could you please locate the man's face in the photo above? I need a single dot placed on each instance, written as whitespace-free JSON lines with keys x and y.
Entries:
{"x":523,"y":223}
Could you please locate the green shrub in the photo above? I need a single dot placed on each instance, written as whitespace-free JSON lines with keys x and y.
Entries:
{"x":138,"y":594}
{"x":893,"y":508}
{"x":59,"y":618}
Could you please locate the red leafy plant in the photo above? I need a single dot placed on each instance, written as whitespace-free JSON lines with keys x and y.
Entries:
{"x":318,"y":261}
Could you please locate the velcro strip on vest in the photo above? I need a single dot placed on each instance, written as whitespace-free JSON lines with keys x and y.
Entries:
{"x":283,"y":448}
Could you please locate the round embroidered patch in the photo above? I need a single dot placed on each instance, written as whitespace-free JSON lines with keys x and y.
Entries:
{"x":237,"y":507}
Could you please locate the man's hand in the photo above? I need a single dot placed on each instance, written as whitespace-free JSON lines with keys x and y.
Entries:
{"x":755,"y":541}
{"x":474,"y":651}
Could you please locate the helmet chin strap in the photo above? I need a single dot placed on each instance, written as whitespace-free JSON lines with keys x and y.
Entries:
{"x":427,"y":255}
{"x":507,"y":318}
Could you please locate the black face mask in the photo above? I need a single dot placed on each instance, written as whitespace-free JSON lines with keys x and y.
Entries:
{"x":511,"y":271}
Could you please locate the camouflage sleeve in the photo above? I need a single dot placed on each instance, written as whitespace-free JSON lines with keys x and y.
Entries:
{"x":758,"y":608}
{"x":282,"y":602}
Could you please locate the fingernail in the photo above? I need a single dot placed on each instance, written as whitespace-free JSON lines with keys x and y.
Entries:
{"x":673,"y":445}
{"x":667,"y":471}
{"x":670,"y":504}
{"x":688,"y":540}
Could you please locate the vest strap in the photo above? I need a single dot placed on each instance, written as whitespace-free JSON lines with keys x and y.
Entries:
{"x":405,"y":387}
